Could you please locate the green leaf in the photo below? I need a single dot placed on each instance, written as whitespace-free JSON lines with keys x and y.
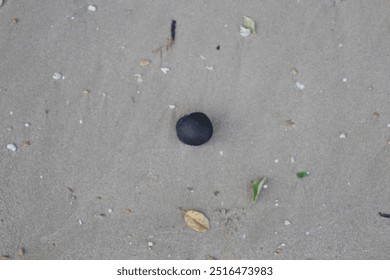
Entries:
{"x":249,"y":23}
{"x":256,"y":188}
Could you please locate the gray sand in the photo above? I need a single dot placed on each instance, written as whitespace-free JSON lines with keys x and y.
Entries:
{"x":105,"y":173}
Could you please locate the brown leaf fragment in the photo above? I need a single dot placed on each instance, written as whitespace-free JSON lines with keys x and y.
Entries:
{"x":196,"y":221}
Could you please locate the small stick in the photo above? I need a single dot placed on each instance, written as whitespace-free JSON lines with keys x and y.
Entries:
{"x":384,"y":215}
{"x":173,"y":30}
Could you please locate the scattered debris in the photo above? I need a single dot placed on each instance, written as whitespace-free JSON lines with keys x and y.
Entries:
{"x":150,"y":245}
{"x":376,"y":114}
{"x":210,"y":68}
{"x":249,"y":24}
{"x":191,"y":190}
{"x":4,"y":257}
{"x":302,"y":174}
{"x":145,"y":62}
{"x":276,"y":202}
{"x":370,"y":87}
{"x":202,"y":57}
{"x":287,"y":222}
{"x":57,"y":76}
{"x":12,"y":147}
{"x":86,"y":91}
{"x":165,"y":70}
{"x":342,"y":136}
{"x":14,"y":20}
{"x":21,"y":252}
{"x":216,"y":193}
{"x":196,"y":221}
{"x":139,"y":78}
{"x":300,"y":85}
{"x":92,"y":8}
{"x":172,"y":107}
{"x":294,"y":71}
{"x":384,"y":215}
{"x":256,"y":188}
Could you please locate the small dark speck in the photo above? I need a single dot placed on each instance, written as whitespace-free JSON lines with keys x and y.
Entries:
{"x":218,"y":47}
{"x":102,"y":215}
{"x":47,"y":111}
{"x":216,"y":193}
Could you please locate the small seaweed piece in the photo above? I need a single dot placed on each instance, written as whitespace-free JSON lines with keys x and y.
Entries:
{"x":384,"y":215}
{"x":302,"y":174}
{"x":256,"y":188}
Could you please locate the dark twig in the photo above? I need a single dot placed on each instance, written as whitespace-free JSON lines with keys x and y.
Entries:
{"x":384,"y":215}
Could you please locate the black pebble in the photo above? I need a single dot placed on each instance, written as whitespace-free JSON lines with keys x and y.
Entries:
{"x":194,"y":129}
{"x":218,"y":47}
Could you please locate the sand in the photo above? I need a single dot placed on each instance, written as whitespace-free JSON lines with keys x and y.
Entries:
{"x":104,"y":176}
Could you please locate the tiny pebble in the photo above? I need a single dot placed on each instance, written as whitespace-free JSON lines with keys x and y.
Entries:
{"x":11,"y":113}
{"x":80,"y":121}
{"x":172,"y":107}
{"x":85,"y":91}
{"x":80,"y":222}
{"x":388,"y":142}
{"x":5,"y":257}
{"x":300,"y":85}
{"x":388,"y":125}
{"x":21,"y":251}
{"x":287,"y":222}
{"x":26,"y":143}
{"x":202,"y":57}
{"x":145,"y":62}
{"x":57,"y":76}
{"x":340,"y":45}
{"x":15,"y":20}
{"x":165,"y":70}
{"x":92,"y":8}
{"x":307,"y":232}
{"x":191,"y":190}
{"x":210,"y":68}
{"x":150,"y":245}
{"x":292,"y":159}
{"x":276,"y":160}
{"x":109,"y":210}
{"x":294,"y":71}
{"x":345,"y":80}
{"x":282,"y":245}
{"x":12,"y":147}
{"x":27,"y":124}
{"x":221,"y":153}
{"x":245,"y":32}
{"x":265,"y":186}
{"x":342,"y":136}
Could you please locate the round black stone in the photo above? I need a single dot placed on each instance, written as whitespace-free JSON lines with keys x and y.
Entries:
{"x":194,"y":129}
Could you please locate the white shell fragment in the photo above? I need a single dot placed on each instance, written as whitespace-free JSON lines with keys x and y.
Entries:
{"x":57,"y":76}
{"x":165,"y":70}
{"x":342,"y":136}
{"x":245,"y":32}
{"x":210,"y":68}
{"x":172,"y":107}
{"x":139,"y":78}
{"x":92,"y":8}
{"x":300,"y":85}
{"x":12,"y":147}
{"x":287,"y":222}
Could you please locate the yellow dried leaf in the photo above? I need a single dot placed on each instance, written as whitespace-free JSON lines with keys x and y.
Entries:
{"x":197,"y":221}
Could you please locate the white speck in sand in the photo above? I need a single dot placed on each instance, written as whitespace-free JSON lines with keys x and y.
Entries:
{"x":265,"y":186}
{"x":348,"y":183}
{"x":300,"y":85}
{"x":150,"y":245}
{"x":139,"y":78}
{"x":342,"y":136}
{"x":165,"y":70}
{"x":276,"y":160}
{"x":40,"y":176}
{"x":80,"y":121}
{"x":287,"y":222}
{"x":221,"y":153}
{"x":57,"y":76}
{"x":81,"y":222}
{"x":27,"y":124}
{"x":172,"y":107}
{"x":292,"y":159}
{"x":11,"y":113}
{"x":281,"y":245}
{"x":72,"y":17}
{"x":11,"y":147}
{"x":307,"y":232}
{"x":388,"y":125}
{"x":225,"y":25}
{"x":340,"y":45}
{"x":202,"y":57}
{"x":276,"y":203}
{"x":92,"y":8}
{"x":109,"y":210}
{"x":345,"y":80}
{"x":210,"y":68}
